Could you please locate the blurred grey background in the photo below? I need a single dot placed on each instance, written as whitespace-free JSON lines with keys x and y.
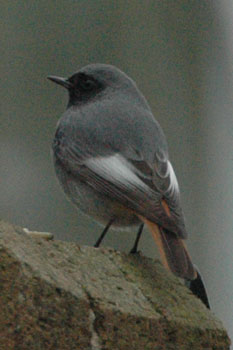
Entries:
{"x":180,"y":53}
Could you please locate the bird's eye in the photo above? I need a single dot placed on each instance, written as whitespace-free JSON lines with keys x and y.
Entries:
{"x":87,"y":84}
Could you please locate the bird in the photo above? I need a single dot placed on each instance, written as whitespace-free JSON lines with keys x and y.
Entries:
{"x":111,"y":159}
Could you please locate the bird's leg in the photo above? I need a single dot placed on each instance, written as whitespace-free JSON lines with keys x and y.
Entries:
{"x":135,"y":246}
{"x":99,"y":240}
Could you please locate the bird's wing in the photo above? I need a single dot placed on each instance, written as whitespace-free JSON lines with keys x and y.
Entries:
{"x":150,"y":190}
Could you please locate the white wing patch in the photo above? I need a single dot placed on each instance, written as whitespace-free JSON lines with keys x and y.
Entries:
{"x":116,"y":169}
{"x":173,"y":180}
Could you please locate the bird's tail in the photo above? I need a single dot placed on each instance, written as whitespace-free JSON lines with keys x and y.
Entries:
{"x":197,"y":287}
{"x":173,"y":251}
{"x":176,"y":259}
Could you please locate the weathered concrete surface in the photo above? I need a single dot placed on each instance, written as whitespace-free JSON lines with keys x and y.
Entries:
{"x":58,"y":295}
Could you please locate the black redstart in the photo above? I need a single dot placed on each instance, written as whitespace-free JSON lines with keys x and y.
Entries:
{"x":111,"y":158}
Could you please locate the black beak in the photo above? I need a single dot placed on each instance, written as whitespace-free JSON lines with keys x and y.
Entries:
{"x":60,"y":81}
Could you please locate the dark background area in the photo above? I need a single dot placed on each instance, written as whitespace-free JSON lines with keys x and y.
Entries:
{"x":180,"y":54}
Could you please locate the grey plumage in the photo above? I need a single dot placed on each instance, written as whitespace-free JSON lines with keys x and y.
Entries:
{"x":111,"y":159}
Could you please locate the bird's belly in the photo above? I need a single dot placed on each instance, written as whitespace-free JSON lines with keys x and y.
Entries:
{"x":93,"y":203}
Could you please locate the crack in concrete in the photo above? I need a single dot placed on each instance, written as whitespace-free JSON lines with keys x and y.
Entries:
{"x":96,"y":343}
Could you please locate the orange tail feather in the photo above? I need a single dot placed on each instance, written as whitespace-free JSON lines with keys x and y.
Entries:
{"x":173,"y":251}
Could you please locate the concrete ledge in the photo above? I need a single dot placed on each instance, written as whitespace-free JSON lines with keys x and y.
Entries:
{"x":58,"y":295}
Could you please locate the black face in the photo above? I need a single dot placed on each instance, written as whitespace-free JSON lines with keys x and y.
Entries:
{"x":83,"y":87}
